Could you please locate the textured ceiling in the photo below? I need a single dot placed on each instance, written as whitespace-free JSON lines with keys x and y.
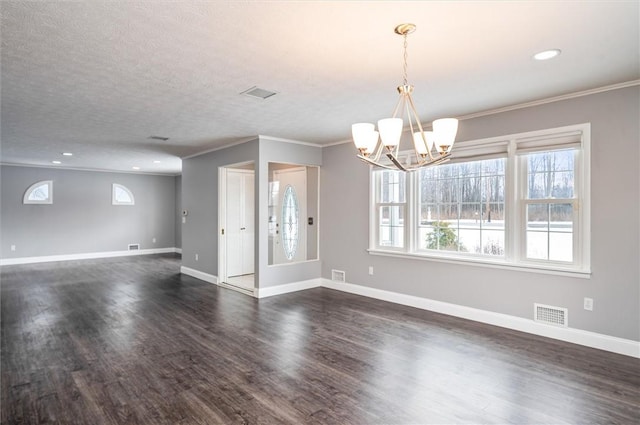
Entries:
{"x":98,"y":78}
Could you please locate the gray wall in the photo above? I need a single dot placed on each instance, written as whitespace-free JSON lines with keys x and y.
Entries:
{"x":289,"y":153}
{"x":615,"y":230}
{"x":178,"y":222}
{"x":81,"y":218}
{"x":200,"y":198}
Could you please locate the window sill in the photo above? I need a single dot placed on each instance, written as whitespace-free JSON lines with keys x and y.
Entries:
{"x":495,"y":264}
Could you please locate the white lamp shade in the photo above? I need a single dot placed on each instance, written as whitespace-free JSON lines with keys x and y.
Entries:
{"x":372,"y":142}
{"x":419,"y":143}
{"x":445,"y":130}
{"x":362,"y":134}
{"x":390,"y":131}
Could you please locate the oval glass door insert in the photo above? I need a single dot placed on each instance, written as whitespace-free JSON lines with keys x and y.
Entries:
{"x":290,"y":222}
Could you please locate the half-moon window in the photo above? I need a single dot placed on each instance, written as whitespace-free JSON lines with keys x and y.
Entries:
{"x":290,"y":222}
{"x":39,"y":193}
{"x":121,"y":195}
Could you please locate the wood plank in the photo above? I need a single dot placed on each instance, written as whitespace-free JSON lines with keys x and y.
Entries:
{"x":132,"y":341}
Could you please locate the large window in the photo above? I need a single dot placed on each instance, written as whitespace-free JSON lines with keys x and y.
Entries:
{"x":518,"y":201}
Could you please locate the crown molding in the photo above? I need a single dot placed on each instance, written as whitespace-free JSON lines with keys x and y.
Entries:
{"x":527,"y":104}
{"x":95,"y":170}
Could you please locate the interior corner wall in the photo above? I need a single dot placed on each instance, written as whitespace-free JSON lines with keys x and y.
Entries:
{"x":81,"y":219}
{"x":615,"y":224}
{"x":200,"y":199}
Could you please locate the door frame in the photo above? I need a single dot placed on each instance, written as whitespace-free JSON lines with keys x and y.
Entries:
{"x":222,"y":224}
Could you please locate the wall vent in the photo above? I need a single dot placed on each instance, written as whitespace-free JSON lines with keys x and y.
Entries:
{"x":337,"y":276}
{"x":551,"y":315}
{"x":134,"y":246}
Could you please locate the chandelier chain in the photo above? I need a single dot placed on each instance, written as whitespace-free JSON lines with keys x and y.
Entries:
{"x":404,"y":68}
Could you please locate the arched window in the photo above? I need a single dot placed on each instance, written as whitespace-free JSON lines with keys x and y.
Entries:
{"x":121,"y":195}
{"x":39,"y":193}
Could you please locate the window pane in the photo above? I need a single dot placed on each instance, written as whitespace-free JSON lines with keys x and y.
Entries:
{"x":290,"y":222}
{"x":391,"y":226}
{"x":391,"y":187}
{"x":493,"y":242}
{"x":537,"y":245}
{"x":550,"y":232}
{"x":442,"y":236}
{"x":122,"y":196}
{"x":561,"y":232}
{"x":468,"y":201}
{"x":561,"y":246}
{"x":551,"y":174}
{"x":40,"y":193}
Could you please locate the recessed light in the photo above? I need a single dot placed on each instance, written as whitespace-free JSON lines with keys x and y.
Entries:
{"x":136,"y":168}
{"x":157,"y":162}
{"x":547,"y":54}
{"x":67,"y":154}
{"x":56,"y":162}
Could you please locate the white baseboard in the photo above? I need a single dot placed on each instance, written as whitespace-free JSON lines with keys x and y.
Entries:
{"x":288,"y":287}
{"x":576,"y":336}
{"x":84,"y":256}
{"x":178,"y":250}
{"x":199,"y":275}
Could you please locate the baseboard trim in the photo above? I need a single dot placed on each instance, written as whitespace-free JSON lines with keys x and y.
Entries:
{"x":199,"y":275}
{"x":577,"y":336}
{"x":270,"y":291}
{"x":178,"y":251}
{"x":84,"y":256}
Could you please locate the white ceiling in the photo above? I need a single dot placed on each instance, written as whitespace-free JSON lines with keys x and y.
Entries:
{"x":98,"y":78}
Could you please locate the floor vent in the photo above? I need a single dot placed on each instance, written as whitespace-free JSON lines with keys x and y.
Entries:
{"x":134,"y":246}
{"x":337,"y":276}
{"x":551,"y":315}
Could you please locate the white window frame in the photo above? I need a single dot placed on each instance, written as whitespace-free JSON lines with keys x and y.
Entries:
{"x":516,"y":147}
{"x":114,"y":200}
{"x":30,"y":189}
{"x":375,"y":216}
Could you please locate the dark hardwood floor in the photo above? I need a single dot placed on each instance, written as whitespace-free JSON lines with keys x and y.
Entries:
{"x":131,"y":341}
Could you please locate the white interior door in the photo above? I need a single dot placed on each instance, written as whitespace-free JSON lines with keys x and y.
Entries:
{"x":240,"y":229}
{"x":290,"y":243}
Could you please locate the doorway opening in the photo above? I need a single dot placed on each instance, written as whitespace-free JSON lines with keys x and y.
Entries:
{"x":236,"y":239}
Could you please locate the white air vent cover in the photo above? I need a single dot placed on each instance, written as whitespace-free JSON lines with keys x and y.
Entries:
{"x":551,"y":315}
{"x":337,"y":276}
{"x":258,"y":92}
{"x":134,"y":246}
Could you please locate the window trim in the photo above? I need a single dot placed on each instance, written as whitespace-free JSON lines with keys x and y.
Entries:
{"x":114,"y":201}
{"x":30,"y":189}
{"x":515,"y":209}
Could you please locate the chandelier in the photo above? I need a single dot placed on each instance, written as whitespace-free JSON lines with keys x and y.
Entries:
{"x":430,"y":147}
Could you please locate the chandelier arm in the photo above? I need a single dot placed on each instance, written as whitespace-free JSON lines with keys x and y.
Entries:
{"x":374,"y":163}
{"x":399,"y":104}
{"x":378,"y":151}
{"x":415,"y":113}
{"x":415,"y":150}
{"x":396,"y":162}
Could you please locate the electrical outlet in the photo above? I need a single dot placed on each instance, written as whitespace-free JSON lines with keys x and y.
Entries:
{"x":196,"y":257}
{"x":371,"y":270}
{"x":153,"y":240}
{"x":13,"y":247}
{"x":588,"y":304}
